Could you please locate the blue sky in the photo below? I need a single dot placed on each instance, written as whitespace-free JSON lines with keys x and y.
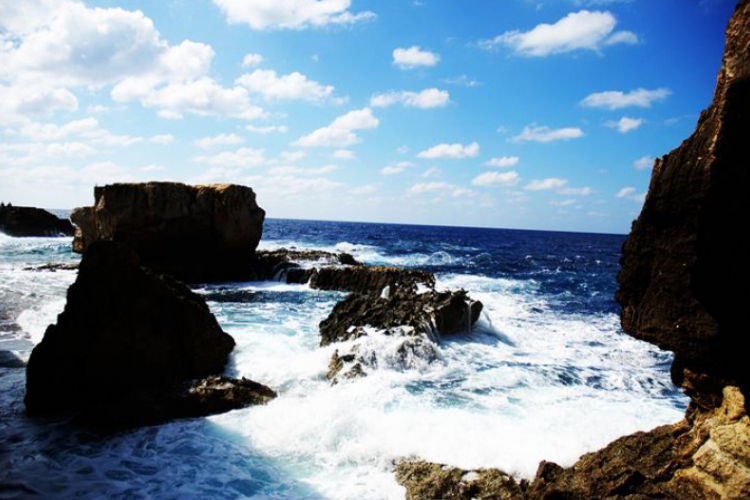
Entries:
{"x":538,"y":114}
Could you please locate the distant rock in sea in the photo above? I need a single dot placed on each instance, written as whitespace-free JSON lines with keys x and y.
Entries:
{"x":683,"y":281}
{"x":194,"y":233}
{"x":31,"y":221}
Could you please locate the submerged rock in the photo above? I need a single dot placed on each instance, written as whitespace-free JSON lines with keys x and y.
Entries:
{"x":31,"y":221}
{"x":124,"y":329}
{"x":195,"y":233}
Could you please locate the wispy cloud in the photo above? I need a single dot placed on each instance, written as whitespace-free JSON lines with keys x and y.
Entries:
{"x":504,"y":162}
{"x":625,"y":124}
{"x":414,"y":57}
{"x":450,"y":151}
{"x":496,"y":179}
{"x":428,"y":98}
{"x":546,"y":134}
{"x":615,"y":99}
{"x":291,"y":14}
{"x":341,"y":132}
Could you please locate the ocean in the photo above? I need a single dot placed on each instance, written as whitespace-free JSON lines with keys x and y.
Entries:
{"x":546,"y":373}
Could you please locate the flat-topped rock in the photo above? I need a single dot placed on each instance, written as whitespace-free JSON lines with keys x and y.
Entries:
{"x":195,"y":233}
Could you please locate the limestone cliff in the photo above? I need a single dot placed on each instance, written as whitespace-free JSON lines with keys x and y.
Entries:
{"x":32,"y":221}
{"x":195,"y":233}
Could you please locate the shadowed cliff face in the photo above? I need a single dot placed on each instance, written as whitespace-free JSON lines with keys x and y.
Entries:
{"x":684,"y":270}
{"x":195,"y":233}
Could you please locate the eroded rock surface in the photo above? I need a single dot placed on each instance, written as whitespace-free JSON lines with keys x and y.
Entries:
{"x":31,"y":221}
{"x":194,"y":233}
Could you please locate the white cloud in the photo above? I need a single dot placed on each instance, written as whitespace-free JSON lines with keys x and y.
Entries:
{"x":294,"y":86}
{"x":34,"y":152}
{"x":291,"y":14}
{"x":431,"y":172}
{"x":496,"y":179}
{"x":218,"y":140}
{"x":462,"y":81}
{"x":428,"y":98}
{"x":292,"y":156}
{"x":562,"y":203}
{"x":243,"y":158}
{"x":629,"y":193}
{"x":23,"y":100}
{"x":440,"y":188}
{"x":162,"y":139}
{"x":396,"y":168}
{"x":340,"y":133}
{"x":202,"y":97}
{"x":252,"y":60}
{"x":571,"y":191}
{"x":546,"y":184}
{"x":624,"y":192}
{"x":546,"y":134}
{"x":643,"y":163}
{"x":625,"y":124}
{"x":365,"y":189}
{"x":414,"y":57}
{"x":584,"y":30}
{"x":615,"y":99}
{"x":344,"y":154}
{"x":267,"y":130}
{"x":504,"y":162}
{"x":293,"y":186}
{"x":451,"y":151}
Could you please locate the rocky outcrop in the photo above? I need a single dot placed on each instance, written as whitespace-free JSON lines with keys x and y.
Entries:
{"x":194,"y":233}
{"x":685,"y":263}
{"x":430,"y":313}
{"x":295,"y":266}
{"x":683,"y":274}
{"x":125,"y":330}
{"x":370,"y":280}
{"x":31,"y":221}
{"x":705,"y":456}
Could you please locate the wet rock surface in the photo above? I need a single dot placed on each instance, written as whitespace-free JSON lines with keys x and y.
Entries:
{"x":32,"y":221}
{"x":295,"y":266}
{"x":124,"y":329}
{"x":194,"y":233}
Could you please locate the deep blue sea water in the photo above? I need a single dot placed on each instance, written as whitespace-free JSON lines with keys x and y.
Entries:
{"x":546,"y":373}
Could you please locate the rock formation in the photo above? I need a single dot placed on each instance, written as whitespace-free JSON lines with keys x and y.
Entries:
{"x":683,"y":274}
{"x":194,"y":233}
{"x":685,"y":265}
{"x":31,"y":221}
{"x":126,"y":334}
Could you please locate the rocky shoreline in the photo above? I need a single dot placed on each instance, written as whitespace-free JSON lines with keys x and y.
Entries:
{"x":32,"y":221}
{"x":682,"y":272}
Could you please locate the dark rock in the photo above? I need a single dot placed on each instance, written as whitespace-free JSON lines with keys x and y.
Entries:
{"x":124,"y":329}
{"x":195,"y":233}
{"x":431,"y":313}
{"x":31,"y":221}
{"x":370,"y":280}
{"x":210,"y":396}
{"x":54,"y":266}
{"x":685,"y":267}
{"x":8,"y":359}
{"x":295,"y":266}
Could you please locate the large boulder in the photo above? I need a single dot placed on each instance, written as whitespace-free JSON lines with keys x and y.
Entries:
{"x":124,"y":330}
{"x":195,"y":233}
{"x":685,"y":263}
{"x":31,"y":221}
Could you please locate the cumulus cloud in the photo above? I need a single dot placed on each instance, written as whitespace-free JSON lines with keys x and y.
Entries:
{"x":344,"y":154}
{"x":584,"y":30}
{"x":625,"y":124}
{"x":267,"y":129}
{"x":616,"y":99}
{"x":643,"y":163}
{"x":547,"y":134}
{"x":582,"y":191}
{"x":252,"y":60}
{"x":87,"y":128}
{"x":450,"y":151}
{"x":291,"y":170}
{"x":496,"y":179}
{"x":292,"y":156}
{"x":626,"y":191}
{"x":341,"y":132}
{"x":294,"y":86}
{"x":242,"y":158}
{"x":218,"y":140}
{"x":428,"y":98}
{"x":396,"y":168}
{"x":414,"y":57}
{"x":629,"y":193}
{"x":546,"y":184}
{"x":504,"y":162}
{"x":291,"y":14}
